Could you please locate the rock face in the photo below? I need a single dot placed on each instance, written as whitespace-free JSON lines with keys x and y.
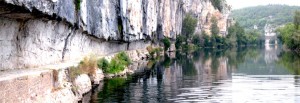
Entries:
{"x":42,"y":32}
{"x":82,"y":84}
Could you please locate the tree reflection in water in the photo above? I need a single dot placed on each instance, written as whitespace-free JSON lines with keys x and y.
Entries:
{"x":204,"y":70}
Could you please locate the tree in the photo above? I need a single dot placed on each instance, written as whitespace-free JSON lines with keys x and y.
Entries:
{"x":188,"y":26}
{"x":240,"y":33}
{"x":297,"y":19}
{"x":196,"y":39}
{"x":179,"y":41}
{"x":217,"y":4}
{"x":167,"y":43}
{"x":290,"y":36}
{"x":206,"y":39}
{"x":214,"y":29}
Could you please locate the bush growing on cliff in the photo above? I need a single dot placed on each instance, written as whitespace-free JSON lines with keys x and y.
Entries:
{"x":117,"y":64}
{"x":103,"y":64}
{"x":167,"y":43}
{"x":196,"y":40}
{"x":123,"y":58}
{"x":74,"y":72}
{"x":153,"y":51}
{"x":188,"y":26}
{"x":217,"y":4}
{"x":179,"y":41}
{"x":214,"y":29}
{"x":77,"y":4}
{"x":88,"y":65}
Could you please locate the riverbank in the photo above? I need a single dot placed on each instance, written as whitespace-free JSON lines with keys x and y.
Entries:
{"x":54,"y":83}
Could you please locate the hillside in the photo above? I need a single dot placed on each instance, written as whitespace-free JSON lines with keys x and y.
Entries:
{"x":260,"y":15}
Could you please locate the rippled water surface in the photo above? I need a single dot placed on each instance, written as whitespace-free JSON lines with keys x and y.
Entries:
{"x":245,"y":75}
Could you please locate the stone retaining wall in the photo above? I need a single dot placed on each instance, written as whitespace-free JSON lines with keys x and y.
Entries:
{"x":53,"y":85}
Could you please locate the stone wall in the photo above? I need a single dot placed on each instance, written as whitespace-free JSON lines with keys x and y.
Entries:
{"x":55,"y":85}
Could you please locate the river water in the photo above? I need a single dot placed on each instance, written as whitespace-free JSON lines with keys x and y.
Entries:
{"x":244,"y":75}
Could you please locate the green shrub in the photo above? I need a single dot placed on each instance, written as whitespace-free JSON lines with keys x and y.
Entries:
{"x":120,"y":26}
{"x":153,"y":51}
{"x":167,"y":43}
{"x":167,"y":61}
{"x":123,"y":58}
{"x":297,"y":19}
{"x":214,"y":29}
{"x":290,"y":36}
{"x":196,"y":40}
{"x":117,"y":64}
{"x":179,"y":41}
{"x":217,"y":4}
{"x":103,"y":64}
{"x":188,"y":25}
{"x":77,"y":4}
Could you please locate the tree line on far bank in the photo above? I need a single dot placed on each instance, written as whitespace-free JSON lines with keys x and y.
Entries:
{"x":236,"y":36}
{"x":290,"y":33}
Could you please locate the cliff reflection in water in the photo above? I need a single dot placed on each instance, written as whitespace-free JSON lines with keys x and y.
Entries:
{"x":207,"y":75}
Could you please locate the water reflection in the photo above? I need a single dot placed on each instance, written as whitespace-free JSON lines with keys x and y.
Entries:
{"x":220,"y":76}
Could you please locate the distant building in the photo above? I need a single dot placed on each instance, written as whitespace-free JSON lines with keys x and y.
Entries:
{"x":269,"y":30}
{"x":255,"y":27}
{"x":269,"y":34}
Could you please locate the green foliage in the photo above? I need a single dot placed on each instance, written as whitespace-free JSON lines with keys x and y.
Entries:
{"x":297,"y":19}
{"x":103,"y":64}
{"x":167,"y":61}
{"x":120,"y":26}
{"x":196,"y":40}
{"x":217,"y":4}
{"x":153,"y":51}
{"x":189,"y":47}
{"x":77,"y":4}
{"x":260,"y":15}
{"x":167,"y":43}
{"x":232,"y":36}
{"x":188,"y":26}
{"x":214,"y":29}
{"x":290,"y":36}
{"x":179,"y":41}
{"x":123,"y":58}
{"x":236,"y":36}
{"x":117,"y":64}
{"x":242,"y":37}
{"x":206,"y":40}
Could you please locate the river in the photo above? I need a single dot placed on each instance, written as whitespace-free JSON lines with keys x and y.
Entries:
{"x":244,"y":75}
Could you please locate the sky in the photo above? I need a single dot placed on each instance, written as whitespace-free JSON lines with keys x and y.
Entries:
{"x":237,"y":4}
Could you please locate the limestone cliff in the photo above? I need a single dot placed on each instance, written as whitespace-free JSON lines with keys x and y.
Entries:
{"x":41,"y":32}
